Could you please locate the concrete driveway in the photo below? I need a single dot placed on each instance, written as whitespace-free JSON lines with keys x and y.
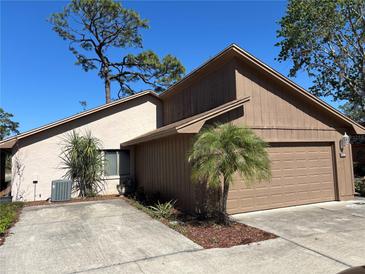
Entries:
{"x":333,"y":230}
{"x":113,"y":237}
{"x":86,"y":236}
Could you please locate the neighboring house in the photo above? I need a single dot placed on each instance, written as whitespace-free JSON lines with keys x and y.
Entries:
{"x":36,"y":154}
{"x":304,"y":134}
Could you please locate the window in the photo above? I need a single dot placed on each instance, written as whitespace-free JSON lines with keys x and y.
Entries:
{"x":116,"y":162}
{"x":111,"y":163}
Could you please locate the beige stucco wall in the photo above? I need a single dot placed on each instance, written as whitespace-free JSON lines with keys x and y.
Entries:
{"x":38,"y":155}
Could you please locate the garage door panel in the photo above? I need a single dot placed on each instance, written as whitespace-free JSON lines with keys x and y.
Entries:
{"x":276,"y":173}
{"x":275,"y":181}
{"x":289,"y":173}
{"x":236,"y":205}
{"x":241,"y":194}
{"x":264,"y":191}
{"x":288,"y":164}
{"x":301,"y":174}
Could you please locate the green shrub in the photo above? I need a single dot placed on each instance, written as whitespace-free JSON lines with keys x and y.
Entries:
{"x":83,"y":163}
{"x":360,"y":186}
{"x":8,"y":214}
{"x":163,"y":210}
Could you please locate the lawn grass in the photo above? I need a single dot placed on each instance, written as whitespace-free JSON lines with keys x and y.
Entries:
{"x":8,"y":215}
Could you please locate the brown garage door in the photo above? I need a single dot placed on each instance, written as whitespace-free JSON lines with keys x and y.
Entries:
{"x":301,"y":174}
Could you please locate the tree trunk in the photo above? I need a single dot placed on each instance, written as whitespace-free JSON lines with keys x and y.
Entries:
{"x":224,"y":215}
{"x":107,"y":90}
{"x":82,"y":192}
{"x":363,"y":79}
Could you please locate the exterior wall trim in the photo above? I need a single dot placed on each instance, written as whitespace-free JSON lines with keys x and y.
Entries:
{"x":335,"y":171}
{"x":292,"y":128}
{"x":188,"y":125}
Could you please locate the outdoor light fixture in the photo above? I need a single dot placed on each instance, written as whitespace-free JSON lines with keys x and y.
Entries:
{"x":345,"y":141}
{"x":35,"y":182}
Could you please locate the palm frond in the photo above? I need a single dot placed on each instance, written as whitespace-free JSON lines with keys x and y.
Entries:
{"x":223,"y":150}
{"x":83,"y":162}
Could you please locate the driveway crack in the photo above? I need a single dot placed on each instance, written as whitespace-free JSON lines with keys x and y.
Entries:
{"x":315,"y":251}
{"x":352,"y":214}
{"x":139,"y":267}
{"x":139,"y":260}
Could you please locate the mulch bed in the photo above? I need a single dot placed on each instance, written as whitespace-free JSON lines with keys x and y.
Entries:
{"x":211,"y":235}
{"x":2,"y":237}
{"x":206,"y":232}
{"x":74,"y":200}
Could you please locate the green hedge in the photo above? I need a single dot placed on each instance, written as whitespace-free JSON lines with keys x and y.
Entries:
{"x":360,"y":186}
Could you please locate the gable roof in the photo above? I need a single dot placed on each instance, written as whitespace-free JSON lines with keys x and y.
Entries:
{"x":229,"y":52}
{"x":10,"y":142}
{"x":191,"y":124}
{"x":235,"y":51}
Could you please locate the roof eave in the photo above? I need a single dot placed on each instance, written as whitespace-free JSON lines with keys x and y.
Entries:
{"x":192,"y":127}
{"x":9,"y":143}
{"x":359,"y":129}
{"x":201,"y":69}
{"x":235,"y":50}
{"x":143,"y":139}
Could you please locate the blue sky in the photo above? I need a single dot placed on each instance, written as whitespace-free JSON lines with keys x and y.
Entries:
{"x":40,"y":83}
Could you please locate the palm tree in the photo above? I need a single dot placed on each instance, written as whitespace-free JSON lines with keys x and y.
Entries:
{"x":83,"y":162}
{"x":221,"y":151}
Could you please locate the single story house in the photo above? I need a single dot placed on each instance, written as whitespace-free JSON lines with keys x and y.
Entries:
{"x":36,"y":153}
{"x":150,"y":135}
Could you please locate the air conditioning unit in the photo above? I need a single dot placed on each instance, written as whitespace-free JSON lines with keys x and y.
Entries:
{"x":61,"y":190}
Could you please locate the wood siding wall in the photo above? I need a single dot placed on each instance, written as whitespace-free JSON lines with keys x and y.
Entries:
{"x":162,"y":167}
{"x":212,"y":90}
{"x":278,"y":114}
